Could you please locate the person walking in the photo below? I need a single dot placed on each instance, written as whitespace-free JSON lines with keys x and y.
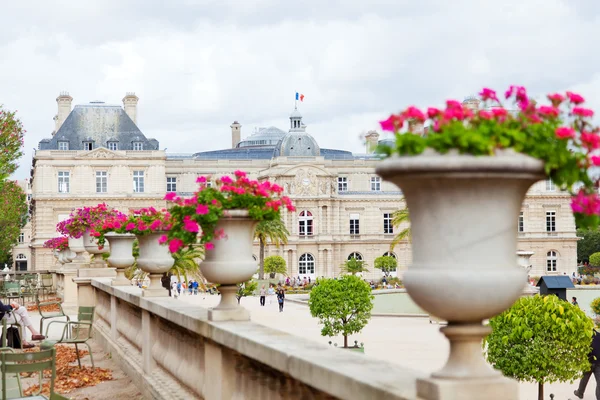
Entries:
{"x":280,"y":299}
{"x":594,"y":358}
{"x":574,"y":301}
{"x":263,"y":293}
{"x":174,"y":290}
{"x":270,"y":293}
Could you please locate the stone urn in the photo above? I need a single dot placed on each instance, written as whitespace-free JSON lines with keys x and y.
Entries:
{"x":121,"y":255}
{"x":76,"y":246}
{"x":155,"y":259}
{"x":230,"y":262}
{"x":523,"y":260}
{"x":91,"y":246}
{"x":464,"y":212}
{"x":60,"y":257}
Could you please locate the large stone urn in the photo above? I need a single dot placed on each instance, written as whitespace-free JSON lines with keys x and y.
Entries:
{"x":155,"y":259}
{"x":230,"y":262}
{"x":90,"y":243}
{"x":121,"y":255}
{"x":524,"y":261}
{"x":64,"y":256}
{"x":464,"y":212}
{"x":76,"y":246}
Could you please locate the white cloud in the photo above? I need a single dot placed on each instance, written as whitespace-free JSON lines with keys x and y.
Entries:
{"x":199,"y":64}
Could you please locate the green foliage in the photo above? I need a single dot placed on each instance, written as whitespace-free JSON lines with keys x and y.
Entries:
{"x":540,"y":339}
{"x":246,"y":289}
{"x":399,"y":218}
{"x":275,"y":265}
{"x":11,"y":142}
{"x":589,"y":244}
{"x":353,"y":266}
{"x":186,"y":262}
{"x":273,"y":231}
{"x":13,"y":214}
{"x":595,"y":259}
{"x":342,"y":305}
{"x":595,"y":305}
{"x":386,"y":264}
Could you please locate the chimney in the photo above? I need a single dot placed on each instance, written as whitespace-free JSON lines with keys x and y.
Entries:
{"x":64,"y":109}
{"x":130,"y":105}
{"x":372,"y":138}
{"x":236,"y":134}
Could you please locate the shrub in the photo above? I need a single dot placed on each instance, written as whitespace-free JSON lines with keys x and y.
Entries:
{"x":595,"y":305}
{"x":588,"y":280}
{"x":595,"y":259}
{"x":275,"y":265}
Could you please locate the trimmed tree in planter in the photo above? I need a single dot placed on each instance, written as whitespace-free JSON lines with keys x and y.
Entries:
{"x":386,"y":264}
{"x":246,"y":289}
{"x":540,"y":339}
{"x":354,"y":266}
{"x":275,"y":265}
{"x":342,"y":305}
{"x":595,"y":259}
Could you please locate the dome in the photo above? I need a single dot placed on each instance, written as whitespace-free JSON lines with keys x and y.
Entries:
{"x":295,"y":114}
{"x":264,"y":137}
{"x":298,"y":144}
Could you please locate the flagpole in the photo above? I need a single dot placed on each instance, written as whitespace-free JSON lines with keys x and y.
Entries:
{"x":295,"y":100}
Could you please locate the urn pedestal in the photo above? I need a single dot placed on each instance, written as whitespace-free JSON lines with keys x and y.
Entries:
{"x":90,"y":244}
{"x":155,"y":259}
{"x":121,"y":255}
{"x":229,"y":263}
{"x":464,"y":212}
{"x":76,"y":247}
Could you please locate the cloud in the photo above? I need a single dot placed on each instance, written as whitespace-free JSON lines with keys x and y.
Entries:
{"x":198,"y":65}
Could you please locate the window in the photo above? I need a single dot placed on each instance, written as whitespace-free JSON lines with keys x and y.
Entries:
{"x":550,"y":187}
{"x":88,"y":146}
{"x":63,"y":181}
{"x":551,"y":258}
{"x":390,"y":254}
{"x":171,"y":184}
{"x":342,"y":184}
{"x":21,"y":256}
{"x":354,"y":224}
{"x":521,"y":222}
{"x":375,"y":183}
{"x":63,"y":145}
{"x":138,"y":181}
{"x":306,"y":264}
{"x":387,"y":223}
{"x":21,"y":237}
{"x":138,"y":146}
{"x":305,"y":224}
{"x":114,"y":146}
{"x":550,"y":221}
{"x":101,"y":181}
{"x":355,"y":255}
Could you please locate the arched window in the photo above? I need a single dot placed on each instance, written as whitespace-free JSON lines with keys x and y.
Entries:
{"x":306,"y":264}
{"x":305,"y":224}
{"x":21,"y":256}
{"x":551,"y":261}
{"x":389,"y":254}
{"x":355,"y":255}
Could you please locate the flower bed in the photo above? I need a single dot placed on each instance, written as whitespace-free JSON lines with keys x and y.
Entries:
{"x":85,"y":219}
{"x":58,"y":243}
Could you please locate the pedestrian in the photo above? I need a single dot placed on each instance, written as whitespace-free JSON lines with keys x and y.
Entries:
{"x":190,"y":287}
{"x":280,"y":299}
{"x":270,"y":293}
{"x":175,"y":290}
{"x":263,"y":293}
{"x":594,"y":358}
{"x":574,"y":301}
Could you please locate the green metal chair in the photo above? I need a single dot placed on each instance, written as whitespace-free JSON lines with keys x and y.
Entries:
{"x":16,"y":363}
{"x":12,"y":291}
{"x":74,"y":332}
{"x":12,"y":382}
{"x":46,"y":284}
{"x":49,"y":315}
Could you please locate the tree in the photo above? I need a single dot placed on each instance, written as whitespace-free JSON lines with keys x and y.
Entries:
{"x":275,"y":265}
{"x":400,"y":217}
{"x":386,"y":264}
{"x":342,"y":305}
{"x":246,"y":289}
{"x":11,"y":142}
{"x":540,"y":339}
{"x":186,"y":262}
{"x":269,"y":231}
{"x":589,"y":244}
{"x":13,"y":215}
{"x":595,"y":259}
{"x":353,"y":266}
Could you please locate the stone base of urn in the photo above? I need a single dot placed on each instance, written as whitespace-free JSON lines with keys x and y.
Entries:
{"x":120,"y":280}
{"x":85,"y":291}
{"x":155,"y":289}
{"x":228,"y":309}
{"x":65,"y":287}
{"x":499,"y":388}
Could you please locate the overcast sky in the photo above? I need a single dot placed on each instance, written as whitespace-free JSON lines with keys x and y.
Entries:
{"x":197,"y":65}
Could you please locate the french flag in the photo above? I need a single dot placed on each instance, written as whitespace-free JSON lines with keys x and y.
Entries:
{"x":299,"y":96}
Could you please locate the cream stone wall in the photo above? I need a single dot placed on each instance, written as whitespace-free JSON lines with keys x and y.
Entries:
{"x":21,"y":253}
{"x":310,"y":181}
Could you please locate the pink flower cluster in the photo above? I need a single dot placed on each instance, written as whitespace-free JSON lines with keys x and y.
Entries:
{"x":58,"y":243}
{"x":87,"y":219}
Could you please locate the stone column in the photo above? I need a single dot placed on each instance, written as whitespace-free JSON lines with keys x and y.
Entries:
{"x":148,"y":339}
{"x":85,"y":291}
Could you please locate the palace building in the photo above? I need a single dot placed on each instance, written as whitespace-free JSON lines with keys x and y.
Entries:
{"x":97,"y":153}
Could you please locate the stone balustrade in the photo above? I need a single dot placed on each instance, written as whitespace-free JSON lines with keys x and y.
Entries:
{"x":171,"y":350}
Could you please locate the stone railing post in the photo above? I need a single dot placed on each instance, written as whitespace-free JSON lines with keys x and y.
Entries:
{"x":148,"y":338}
{"x":114,"y":333}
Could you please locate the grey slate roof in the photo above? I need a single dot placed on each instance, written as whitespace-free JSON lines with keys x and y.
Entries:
{"x":556,"y":282}
{"x":264,"y":153}
{"x":98,"y":122}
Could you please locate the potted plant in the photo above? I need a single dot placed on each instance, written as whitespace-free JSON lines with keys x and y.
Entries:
{"x":121,"y":246}
{"x":149,"y":225}
{"x":60,"y":247}
{"x":223,"y":218}
{"x":464,"y":183}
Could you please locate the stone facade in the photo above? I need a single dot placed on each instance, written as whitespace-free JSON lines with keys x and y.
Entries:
{"x":341,"y":203}
{"x":21,"y":253}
